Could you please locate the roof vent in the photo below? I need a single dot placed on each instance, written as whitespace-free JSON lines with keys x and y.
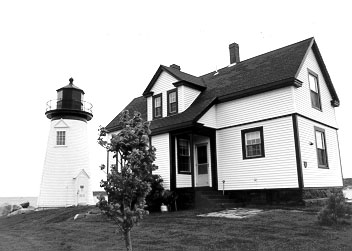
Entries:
{"x":234,"y":53}
{"x":175,"y":66}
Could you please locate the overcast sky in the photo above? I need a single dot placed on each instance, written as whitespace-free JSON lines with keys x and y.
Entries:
{"x":113,"y":48}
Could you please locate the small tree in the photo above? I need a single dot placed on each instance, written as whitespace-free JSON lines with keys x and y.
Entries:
{"x":128,"y":187}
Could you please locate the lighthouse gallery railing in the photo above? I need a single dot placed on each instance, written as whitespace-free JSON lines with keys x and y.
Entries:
{"x":79,"y":105}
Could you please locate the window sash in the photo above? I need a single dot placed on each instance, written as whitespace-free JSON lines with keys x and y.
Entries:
{"x":183,"y":152}
{"x":314,"y":90}
{"x":321,"y":148}
{"x":253,"y":143}
{"x":157,"y":106}
{"x":172,"y":101}
{"x":60,"y":138}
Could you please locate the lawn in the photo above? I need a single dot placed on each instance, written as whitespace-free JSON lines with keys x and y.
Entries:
{"x":274,"y":229}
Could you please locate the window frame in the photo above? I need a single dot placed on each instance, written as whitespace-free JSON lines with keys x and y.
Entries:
{"x":189,"y":171}
{"x":61,"y":139}
{"x":322,"y":131}
{"x":316,"y":76}
{"x":244,"y":145}
{"x":161,"y":106}
{"x":168,"y":102}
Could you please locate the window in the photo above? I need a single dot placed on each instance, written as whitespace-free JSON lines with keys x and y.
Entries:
{"x":60,"y":138}
{"x":172,"y":102}
{"x":314,"y":90}
{"x":252,"y":143}
{"x":321,"y":147}
{"x":157,"y":106}
{"x":183,"y":152}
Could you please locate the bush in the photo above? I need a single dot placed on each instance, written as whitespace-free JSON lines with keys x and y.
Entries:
{"x":155,"y":197}
{"x":335,"y":210}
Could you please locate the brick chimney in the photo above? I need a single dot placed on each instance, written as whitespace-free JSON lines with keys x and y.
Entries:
{"x":175,"y":66}
{"x":234,"y":53}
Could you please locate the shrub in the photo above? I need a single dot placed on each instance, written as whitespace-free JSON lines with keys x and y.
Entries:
{"x":155,"y":197}
{"x":335,"y":210}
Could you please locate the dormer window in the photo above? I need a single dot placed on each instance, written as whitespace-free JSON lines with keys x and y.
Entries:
{"x":172,"y":102}
{"x":157,"y":106}
{"x":314,"y":90}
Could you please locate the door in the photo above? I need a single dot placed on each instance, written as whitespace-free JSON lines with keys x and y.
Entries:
{"x":202,"y":165}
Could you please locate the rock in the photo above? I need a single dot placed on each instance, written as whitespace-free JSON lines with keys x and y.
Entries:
{"x":6,"y":209}
{"x":25,"y":204}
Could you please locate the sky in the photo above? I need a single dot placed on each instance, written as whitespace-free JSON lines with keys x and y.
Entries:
{"x":113,"y":48}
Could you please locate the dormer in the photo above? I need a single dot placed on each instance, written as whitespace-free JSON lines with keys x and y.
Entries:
{"x":171,"y":92}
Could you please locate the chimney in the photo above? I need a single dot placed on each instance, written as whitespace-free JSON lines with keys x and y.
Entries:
{"x":234,"y":53}
{"x":175,"y":66}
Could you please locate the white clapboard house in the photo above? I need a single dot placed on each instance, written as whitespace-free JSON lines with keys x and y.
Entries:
{"x":263,"y":127}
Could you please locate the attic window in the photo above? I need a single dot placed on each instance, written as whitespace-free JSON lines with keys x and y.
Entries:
{"x":172,"y":102}
{"x":314,"y":90}
{"x":157,"y":106}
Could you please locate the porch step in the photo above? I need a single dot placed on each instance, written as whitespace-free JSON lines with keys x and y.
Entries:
{"x":208,"y":198}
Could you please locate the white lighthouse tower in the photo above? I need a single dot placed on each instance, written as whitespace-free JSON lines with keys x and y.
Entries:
{"x":66,"y":175}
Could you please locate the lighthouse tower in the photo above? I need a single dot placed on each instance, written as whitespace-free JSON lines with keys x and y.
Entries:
{"x":66,"y":175}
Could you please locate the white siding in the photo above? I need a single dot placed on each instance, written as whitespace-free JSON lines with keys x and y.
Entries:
{"x":312,"y":175}
{"x":186,"y":96}
{"x":209,"y":118}
{"x":278,"y":169}
{"x":256,"y":107}
{"x":63,"y":163}
{"x":302,"y":94}
{"x":161,"y":143}
{"x":162,"y":85}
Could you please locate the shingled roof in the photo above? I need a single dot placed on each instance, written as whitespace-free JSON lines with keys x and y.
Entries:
{"x":272,"y":70}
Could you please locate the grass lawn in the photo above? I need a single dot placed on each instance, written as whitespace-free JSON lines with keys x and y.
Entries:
{"x":184,"y":230}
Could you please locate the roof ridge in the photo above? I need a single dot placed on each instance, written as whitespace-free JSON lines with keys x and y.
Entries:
{"x":265,"y":53}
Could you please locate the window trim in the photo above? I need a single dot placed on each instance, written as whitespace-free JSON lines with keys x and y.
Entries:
{"x":310,"y":72}
{"x":168,"y":102}
{"x":321,"y":130}
{"x":60,"y":139}
{"x":243,"y":137}
{"x":161,"y":105}
{"x":178,"y":155}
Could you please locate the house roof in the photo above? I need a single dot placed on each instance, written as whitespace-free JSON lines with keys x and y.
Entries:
{"x":182,"y":77}
{"x":272,"y":70}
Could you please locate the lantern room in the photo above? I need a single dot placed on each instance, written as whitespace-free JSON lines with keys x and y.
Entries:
{"x":69,"y":103}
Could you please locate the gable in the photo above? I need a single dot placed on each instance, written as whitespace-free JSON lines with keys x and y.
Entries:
{"x":163,"y":83}
{"x":61,"y":124}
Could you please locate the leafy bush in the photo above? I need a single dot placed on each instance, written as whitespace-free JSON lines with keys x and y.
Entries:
{"x":155,"y":197}
{"x":335,"y":210}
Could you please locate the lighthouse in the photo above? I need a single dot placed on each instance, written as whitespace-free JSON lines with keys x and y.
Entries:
{"x":66,"y":176}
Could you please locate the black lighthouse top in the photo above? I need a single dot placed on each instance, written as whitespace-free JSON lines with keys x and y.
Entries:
{"x":69,"y":104}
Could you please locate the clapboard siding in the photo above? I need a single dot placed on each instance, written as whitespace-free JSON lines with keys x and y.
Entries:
{"x":63,"y":163}
{"x":302,"y":94}
{"x":209,"y":118}
{"x":186,"y":97}
{"x":312,"y":175}
{"x":278,"y":169}
{"x":161,"y":143}
{"x":256,"y":107}
{"x":162,"y":85}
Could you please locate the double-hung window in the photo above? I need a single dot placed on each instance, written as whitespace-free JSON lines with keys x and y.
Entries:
{"x":157,"y":106}
{"x":252,"y":143}
{"x":314,"y":90}
{"x":321,"y":147}
{"x":172,"y":102}
{"x":183,"y":156}
{"x":60,"y":138}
